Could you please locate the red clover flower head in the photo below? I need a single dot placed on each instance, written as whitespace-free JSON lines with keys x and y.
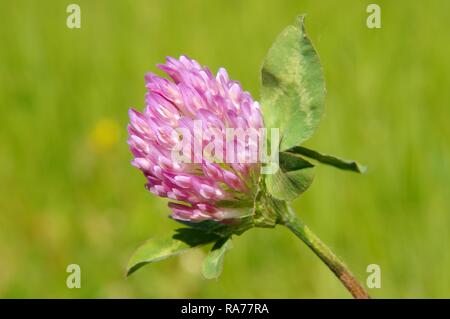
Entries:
{"x":214,"y":124}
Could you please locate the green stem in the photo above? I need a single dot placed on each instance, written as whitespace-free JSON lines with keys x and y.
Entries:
{"x":325,"y":254}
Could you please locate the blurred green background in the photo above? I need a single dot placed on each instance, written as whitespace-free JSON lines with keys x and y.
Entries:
{"x":69,"y":195}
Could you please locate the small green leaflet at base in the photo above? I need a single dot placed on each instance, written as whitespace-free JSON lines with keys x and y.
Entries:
{"x":158,"y":249}
{"x":293,"y":177}
{"x":292,"y":86}
{"x":213,"y":263}
{"x":328,"y":159}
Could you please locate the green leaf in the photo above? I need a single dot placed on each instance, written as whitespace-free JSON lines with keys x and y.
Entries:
{"x":194,"y":237}
{"x":329,"y":159}
{"x":213,"y":263}
{"x":293,"y":87}
{"x":205,"y":225}
{"x":294,"y":177}
{"x":158,"y":249}
{"x":233,"y":226}
{"x":155,"y":250}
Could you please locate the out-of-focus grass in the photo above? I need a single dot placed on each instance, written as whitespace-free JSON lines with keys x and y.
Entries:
{"x":69,"y":194}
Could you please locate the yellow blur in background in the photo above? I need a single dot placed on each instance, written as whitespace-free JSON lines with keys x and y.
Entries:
{"x":105,"y":135}
{"x":70,"y":196}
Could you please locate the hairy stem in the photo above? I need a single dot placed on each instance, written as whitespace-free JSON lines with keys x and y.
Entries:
{"x":325,"y":254}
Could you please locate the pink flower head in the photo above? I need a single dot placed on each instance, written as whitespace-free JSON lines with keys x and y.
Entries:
{"x":197,"y":99}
